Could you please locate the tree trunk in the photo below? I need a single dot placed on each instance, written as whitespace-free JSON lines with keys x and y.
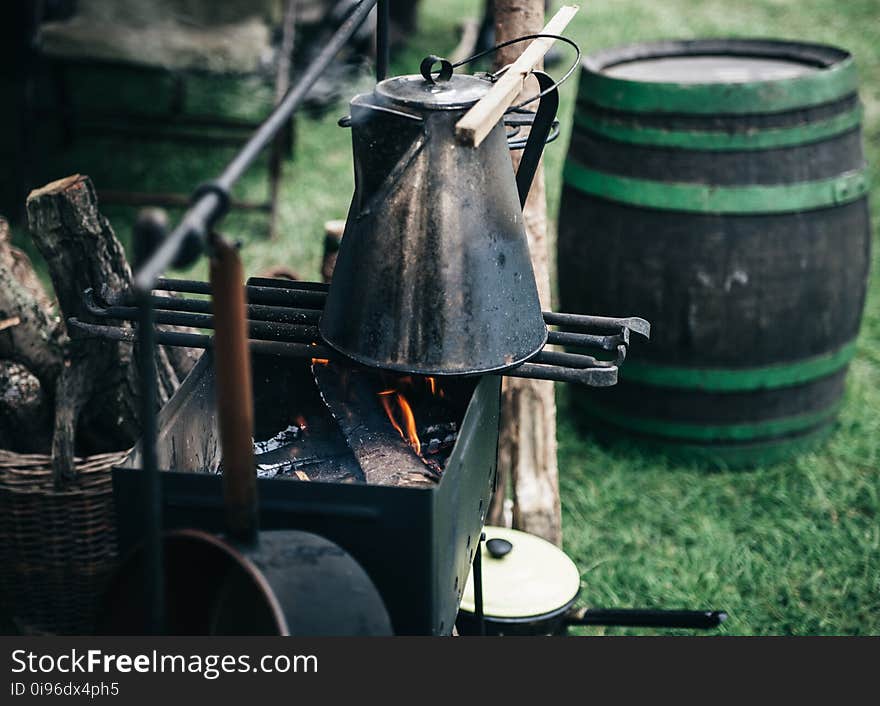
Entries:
{"x":527,"y":447}
{"x":97,"y":390}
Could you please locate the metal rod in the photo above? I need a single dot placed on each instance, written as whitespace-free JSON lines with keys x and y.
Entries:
{"x":634,"y":324}
{"x":569,"y":360}
{"x":287,"y":349}
{"x":281,"y":283}
{"x":255,"y":312}
{"x":155,"y":575}
{"x":273,"y":329}
{"x":587,"y":340}
{"x":383,"y":19}
{"x":208,"y":207}
{"x":594,"y":377}
{"x":279,"y":296}
{"x":478,"y":586}
{"x":649,"y":618}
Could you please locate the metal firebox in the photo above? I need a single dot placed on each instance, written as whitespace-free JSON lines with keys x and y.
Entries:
{"x":416,"y":543}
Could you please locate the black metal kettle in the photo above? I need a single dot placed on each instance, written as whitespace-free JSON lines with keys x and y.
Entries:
{"x":433,"y":274}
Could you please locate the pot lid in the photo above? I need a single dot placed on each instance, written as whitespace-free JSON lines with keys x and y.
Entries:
{"x":523,"y":576}
{"x":457,"y":92}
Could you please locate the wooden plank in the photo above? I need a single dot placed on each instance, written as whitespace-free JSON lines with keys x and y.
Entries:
{"x":478,"y":122}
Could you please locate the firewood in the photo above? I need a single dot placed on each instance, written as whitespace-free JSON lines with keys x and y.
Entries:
{"x":384,"y":457}
{"x":527,"y":446}
{"x":22,"y":268}
{"x":97,"y":390}
{"x":29,"y":332}
{"x":25,"y":411}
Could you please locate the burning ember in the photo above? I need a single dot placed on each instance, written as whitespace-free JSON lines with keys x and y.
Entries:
{"x":338,"y":435}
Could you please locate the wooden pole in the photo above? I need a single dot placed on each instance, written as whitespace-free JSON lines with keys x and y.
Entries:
{"x":527,"y":447}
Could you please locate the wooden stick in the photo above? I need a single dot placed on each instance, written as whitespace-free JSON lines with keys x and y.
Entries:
{"x":235,"y":404}
{"x":478,"y":122}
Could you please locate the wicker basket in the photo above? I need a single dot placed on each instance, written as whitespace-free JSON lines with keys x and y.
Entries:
{"x":56,"y":546}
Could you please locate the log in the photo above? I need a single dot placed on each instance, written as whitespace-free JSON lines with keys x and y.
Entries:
{"x":25,"y":411}
{"x":22,"y":268}
{"x":30,"y":340}
{"x":527,"y":445}
{"x":97,"y":390}
{"x":384,"y":457}
{"x":29,"y":331}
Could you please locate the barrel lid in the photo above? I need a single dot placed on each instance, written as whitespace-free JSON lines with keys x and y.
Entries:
{"x":717,"y":68}
{"x":717,"y":76}
{"x":532,"y":578}
{"x":457,"y":92}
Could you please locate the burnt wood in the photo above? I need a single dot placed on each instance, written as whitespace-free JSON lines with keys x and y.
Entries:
{"x":383,"y":455}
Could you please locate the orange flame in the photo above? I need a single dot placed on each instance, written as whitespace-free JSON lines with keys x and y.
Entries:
{"x":432,"y":384}
{"x":301,"y":422}
{"x":385,"y":399}
{"x":409,"y":419}
{"x":320,"y":361}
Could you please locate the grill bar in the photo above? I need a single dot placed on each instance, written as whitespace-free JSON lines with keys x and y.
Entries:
{"x":255,"y":312}
{"x":287,"y":349}
{"x":283,"y":317}
{"x":261,"y":329}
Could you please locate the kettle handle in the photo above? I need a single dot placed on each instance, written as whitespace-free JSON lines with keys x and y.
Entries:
{"x":541,"y":127}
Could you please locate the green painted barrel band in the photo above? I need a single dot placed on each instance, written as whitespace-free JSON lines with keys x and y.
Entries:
{"x":706,"y":198}
{"x":758,"y":139}
{"x":815,"y":88}
{"x":750,"y":431}
{"x":733,"y":455}
{"x":738,"y":380}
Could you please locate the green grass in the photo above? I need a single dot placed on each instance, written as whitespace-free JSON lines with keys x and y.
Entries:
{"x":788,"y":549}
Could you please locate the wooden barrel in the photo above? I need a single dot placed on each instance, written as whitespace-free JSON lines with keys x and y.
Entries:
{"x":718,"y":189}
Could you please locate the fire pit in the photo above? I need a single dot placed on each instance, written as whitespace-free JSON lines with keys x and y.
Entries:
{"x":386,"y":465}
{"x":415,"y":533}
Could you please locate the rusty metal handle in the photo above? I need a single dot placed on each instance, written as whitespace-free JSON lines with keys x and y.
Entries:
{"x":234,"y":391}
